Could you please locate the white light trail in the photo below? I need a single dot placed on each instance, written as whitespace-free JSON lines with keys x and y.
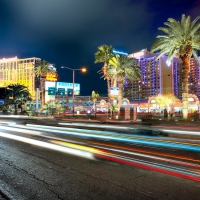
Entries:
{"x":182,"y":132}
{"x":48,"y":145}
{"x":20,"y":130}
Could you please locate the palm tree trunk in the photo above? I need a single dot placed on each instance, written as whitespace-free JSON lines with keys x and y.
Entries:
{"x":120,"y":96}
{"x":108,"y":87}
{"x":43,"y":92}
{"x":185,"y":70}
{"x":94,"y":109}
{"x":16,"y":108}
{"x":104,"y":68}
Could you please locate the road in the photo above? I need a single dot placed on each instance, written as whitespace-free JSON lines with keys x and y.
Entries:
{"x":31,"y":170}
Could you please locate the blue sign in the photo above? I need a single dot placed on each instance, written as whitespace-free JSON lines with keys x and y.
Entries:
{"x":61,"y":92}
{"x":51,"y":91}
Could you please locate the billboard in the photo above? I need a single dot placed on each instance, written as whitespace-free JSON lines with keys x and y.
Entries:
{"x":67,"y":86}
{"x":114,"y":91}
{"x":51,"y":77}
{"x":61,"y":88}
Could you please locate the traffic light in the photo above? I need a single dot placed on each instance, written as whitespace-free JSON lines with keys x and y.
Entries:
{"x":61,"y":92}
{"x":69,"y":92}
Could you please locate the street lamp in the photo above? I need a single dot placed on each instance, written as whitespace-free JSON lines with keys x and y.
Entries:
{"x":73,"y":70}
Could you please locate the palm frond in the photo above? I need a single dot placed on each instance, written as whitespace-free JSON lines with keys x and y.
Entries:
{"x":179,"y":37}
{"x":194,"y":21}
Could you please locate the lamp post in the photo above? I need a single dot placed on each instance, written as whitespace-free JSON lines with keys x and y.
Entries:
{"x":73,"y":79}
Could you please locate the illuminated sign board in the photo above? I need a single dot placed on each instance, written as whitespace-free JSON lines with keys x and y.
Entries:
{"x":8,"y":59}
{"x":61,"y":91}
{"x":63,"y":87}
{"x":120,"y":52}
{"x":114,"y":91}
{"x":51,"y":91}
{"x":51,"y":77}
{"x":138,"y":54}
{"x":69,"y":86}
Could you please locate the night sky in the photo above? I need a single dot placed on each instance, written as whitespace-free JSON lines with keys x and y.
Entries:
{"x":68,"y":32}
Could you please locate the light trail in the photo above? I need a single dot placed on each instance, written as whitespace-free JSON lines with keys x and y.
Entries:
{"x":48,"y":145}
{"x":148,"y":167}
{"x":149,"y":152}
{"x":20,"y":130}
{"x":152,"y":157}
{"x":121,"y":138}
{"x":175,"y":171}
{"x":182,"y":132}
{"x":87,"y":151}
{"x":130,"y":136}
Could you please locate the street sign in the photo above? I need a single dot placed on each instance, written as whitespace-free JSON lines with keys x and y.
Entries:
{"x":61,"y":92}
{"x":69,"y":92}
{"x":51,"y":91}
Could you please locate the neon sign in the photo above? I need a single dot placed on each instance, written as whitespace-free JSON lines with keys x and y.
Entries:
{"x":51,"y":77}
{"x":138,"y":54}
{"x":8,"y":59}
{"x":120,"y":52}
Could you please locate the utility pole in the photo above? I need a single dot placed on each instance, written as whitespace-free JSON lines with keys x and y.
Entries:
{"x":37,"y":98}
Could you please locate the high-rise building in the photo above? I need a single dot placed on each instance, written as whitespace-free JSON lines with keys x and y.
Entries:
{"x":161,"y":77}
{"x":155,"y":79}
{"x":15,"y":70}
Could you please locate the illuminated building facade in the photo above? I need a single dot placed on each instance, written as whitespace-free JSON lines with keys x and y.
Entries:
{"x":161,"y":77}
{"x":15,"y":70}
{"x":156,"y":76}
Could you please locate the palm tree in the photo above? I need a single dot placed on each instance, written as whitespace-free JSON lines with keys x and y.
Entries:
{"x":41,"y":70}
{"x":19,"y":95}
{"x":95,"y":96}
{"x":113,"y":108}
{"x":121,"y":67}
{"x":182,"y":39}
{"x":104,"y":54}
{"x":23,"y":98}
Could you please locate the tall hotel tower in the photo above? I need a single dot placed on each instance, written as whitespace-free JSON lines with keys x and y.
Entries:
{"x":161,"y":77}
{"x":156,"y":76}
{"x":15,"y":70}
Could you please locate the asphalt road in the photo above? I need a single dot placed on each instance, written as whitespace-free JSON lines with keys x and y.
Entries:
{"x":30,"y":172}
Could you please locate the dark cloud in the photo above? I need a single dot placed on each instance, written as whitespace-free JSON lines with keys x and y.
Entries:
{"x":68,"y":32}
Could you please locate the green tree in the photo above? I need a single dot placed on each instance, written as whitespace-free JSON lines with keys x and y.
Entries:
{"x":104,"y":54}
{"x":112,"y":109}
{"x":166,"y":100}
{"x":182,"y":39}
{"x":121,"y":67}
{"x":95,"y":96}
{"x":19,"y":95}
{"x":23,"y":98}
{"x":41,"y":70}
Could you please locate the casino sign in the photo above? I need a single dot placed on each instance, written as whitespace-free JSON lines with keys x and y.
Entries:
{"x":51,"y":77}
